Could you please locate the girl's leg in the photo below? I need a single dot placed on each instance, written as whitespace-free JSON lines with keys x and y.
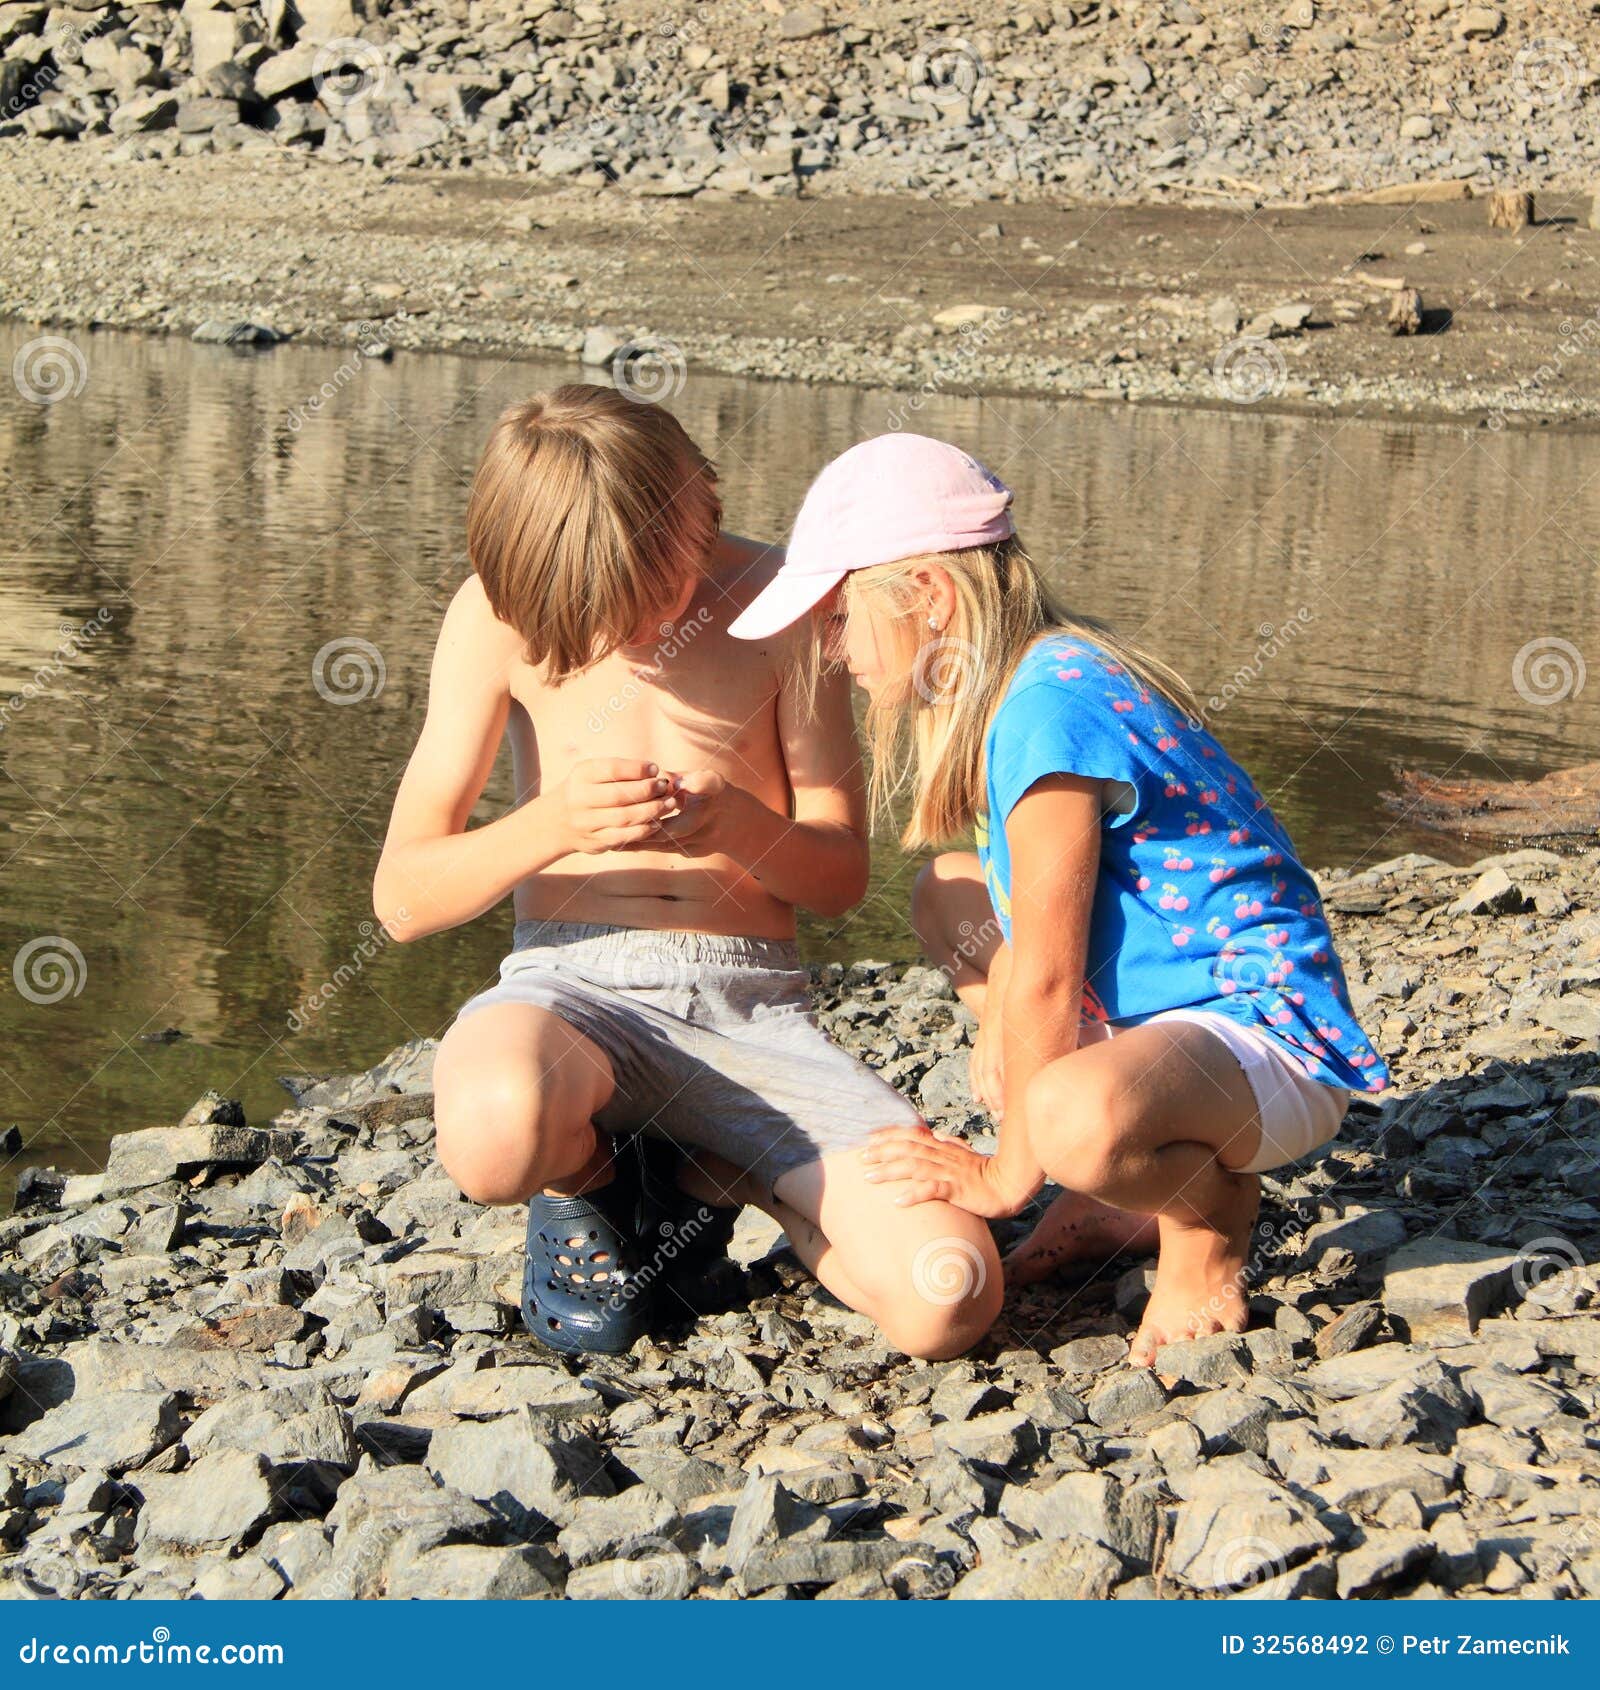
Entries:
{"x":1157,"y":1120}
{"x":956,"y":923}
{"x":516,"y":1092}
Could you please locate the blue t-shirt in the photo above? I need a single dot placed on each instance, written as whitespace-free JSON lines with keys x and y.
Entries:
{"x":1201,"y":903}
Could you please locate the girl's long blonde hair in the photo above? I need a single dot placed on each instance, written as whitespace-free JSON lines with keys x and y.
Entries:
{"x":932,"y":726}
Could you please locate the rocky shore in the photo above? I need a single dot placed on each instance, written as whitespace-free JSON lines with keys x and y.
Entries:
{"x":283,"y":1359}
{"x":1265,"y":205}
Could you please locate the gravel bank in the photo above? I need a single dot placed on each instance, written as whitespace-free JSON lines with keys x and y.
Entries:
{"x":1168,"y":203}
{"x":284,"y":1360}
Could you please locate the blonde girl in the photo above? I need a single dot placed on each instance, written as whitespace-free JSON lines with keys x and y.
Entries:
{"x":1161,"y":1013}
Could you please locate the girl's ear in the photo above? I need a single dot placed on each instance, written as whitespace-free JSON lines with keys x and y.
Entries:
{"x":936,"y":593}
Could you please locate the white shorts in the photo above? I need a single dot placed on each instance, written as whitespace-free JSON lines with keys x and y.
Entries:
{"x":1297,"y":1113}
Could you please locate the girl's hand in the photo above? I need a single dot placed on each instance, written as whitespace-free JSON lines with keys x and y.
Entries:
{"x":938,"y":1170}
{"x":986,"y":1068}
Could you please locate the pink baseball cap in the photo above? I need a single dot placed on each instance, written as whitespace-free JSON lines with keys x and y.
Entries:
{"x":896,"y":496}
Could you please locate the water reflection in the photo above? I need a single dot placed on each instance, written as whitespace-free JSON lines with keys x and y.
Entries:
{"x":187,"y":811}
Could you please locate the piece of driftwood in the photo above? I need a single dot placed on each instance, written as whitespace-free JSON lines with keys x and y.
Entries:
{"x":1510,"y":208}
{"x":1564,"y":805}
{"x":1405,"y":312}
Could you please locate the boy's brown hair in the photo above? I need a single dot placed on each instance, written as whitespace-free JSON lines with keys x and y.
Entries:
{"x":588,"y":513}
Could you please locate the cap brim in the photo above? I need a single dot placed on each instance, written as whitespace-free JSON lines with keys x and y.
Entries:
{"x":783,"y":601}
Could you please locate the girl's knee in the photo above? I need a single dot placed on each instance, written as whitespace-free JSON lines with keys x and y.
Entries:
{"x":1078,"y":1115}
{"x":931,"y":893}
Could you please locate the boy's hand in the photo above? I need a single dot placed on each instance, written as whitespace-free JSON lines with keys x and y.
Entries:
{"x":704,"y":799}
{"x":609,"y":803}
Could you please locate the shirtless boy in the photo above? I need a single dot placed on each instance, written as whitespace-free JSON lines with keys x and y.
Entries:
{"x":677,"y":798}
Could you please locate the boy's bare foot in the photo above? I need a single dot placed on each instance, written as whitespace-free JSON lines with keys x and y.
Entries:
{"x":1200,"y":1278}
{"x":1077,"y":1228}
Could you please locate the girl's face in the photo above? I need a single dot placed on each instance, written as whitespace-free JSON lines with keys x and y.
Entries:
{"x":853,"y":637}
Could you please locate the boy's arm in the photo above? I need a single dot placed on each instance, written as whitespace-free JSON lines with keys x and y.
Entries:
{"x":435,"y":874}
{"x":817,"y":857}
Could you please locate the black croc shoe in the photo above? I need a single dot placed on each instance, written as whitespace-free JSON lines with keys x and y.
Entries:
{"x":582,"y":1289}
{"x":687,"y":1238}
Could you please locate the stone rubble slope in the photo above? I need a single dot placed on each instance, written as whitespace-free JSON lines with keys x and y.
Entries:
{"x":285,"y":1360}
{"x":969,"y":100}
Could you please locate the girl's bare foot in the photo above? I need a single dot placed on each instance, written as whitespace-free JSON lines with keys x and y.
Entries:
{"x":1200,"y":1279}
{"x":1077,"y":1228}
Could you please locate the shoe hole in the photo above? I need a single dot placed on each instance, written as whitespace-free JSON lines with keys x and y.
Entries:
{"x":600,"y":1256}
{"x":601,"y":1278}
{"x":577,"y":1278}
{"x":578,"y":1242}
{"x":565,"y":1261}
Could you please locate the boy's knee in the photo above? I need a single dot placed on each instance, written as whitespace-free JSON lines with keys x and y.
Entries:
{"x":494,"y":1136}
{"x":954,"y":1296}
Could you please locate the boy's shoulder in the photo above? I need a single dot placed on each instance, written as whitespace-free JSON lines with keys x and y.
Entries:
{"x":471,"y":627}
{"x":740,"y":568}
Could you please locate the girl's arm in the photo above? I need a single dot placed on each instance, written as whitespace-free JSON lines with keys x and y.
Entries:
{"x":1054,"y":838}
{"x":434,"y":873}
{"x":1053,"y":833}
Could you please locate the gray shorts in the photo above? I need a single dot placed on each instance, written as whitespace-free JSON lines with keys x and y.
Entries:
{"x":712,"y":1040}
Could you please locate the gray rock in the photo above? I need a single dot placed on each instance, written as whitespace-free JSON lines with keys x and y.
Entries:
{"x":1438,"y":1289}
{"x":158,"y":1154}
{"x":1068,"y":1571}
{"x":1226,"y":1540}
{"x":767,"y":1512}
{"x":609,"y":1528}
{"x":1087,"y":1505}
{"x":224,"y":1497}
{"x":486,"y":1393}
{"x":801,"y":1561}
{"x":108,"y":1433}
{"x":472,"y":1572}
{"x":521,"y":1466}
{"x":1380,"y":1560}
{"x":602,"y":344}
{"x":1119,"y":1401}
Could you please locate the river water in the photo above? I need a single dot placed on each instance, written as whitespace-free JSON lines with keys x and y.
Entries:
{"x":188,"y":825}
